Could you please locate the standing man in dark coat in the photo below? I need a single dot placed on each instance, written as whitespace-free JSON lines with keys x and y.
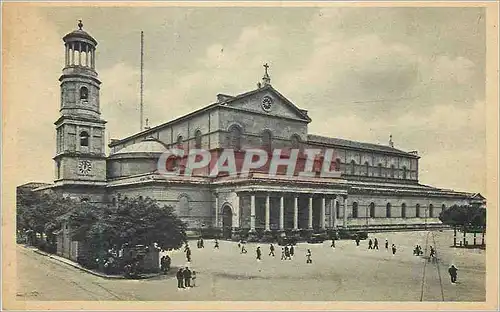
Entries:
{"x":187,"y":277}
{"x":259,"y":253}
{"x":308,"y":255}
{"x":393,"y":249}
{"x":271,"y":250}
{"x":188,"y":254}
{"x":292,"y":251}
{"x":180,"y":279}
{"x":386,"y":244}
{"x":202,"y":243}
{"x":375,"y":244}
{"x":216,"y":244}
{"x":370,"y":243}
{"x":453,"y":273}
{"x":357,"y":240}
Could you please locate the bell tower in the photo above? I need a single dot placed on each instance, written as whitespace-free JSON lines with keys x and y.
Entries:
{"x":80,"y":154}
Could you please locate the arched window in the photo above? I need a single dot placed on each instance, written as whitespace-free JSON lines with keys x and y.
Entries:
{"x":179,"y":141}
{"x":267,"y":140}
{"x":183,"y":205}
{"x":404,"y":172}
{"x":295,"y":139}
{"x":84,"y":93}
{"x":417,"y":210}
{"x":353,"y":166}
{"x":431,"y":211}
{"x":392,"y":171}
{"x":84,"y":138}
{"x":197,"y":139}
{"x":388,"y":210}
{"x":367,"y":168}
{"x":403,"y":210}
{"x":235,"y":137}
{"x":379,"y":170}
{"x":337,"y":208}
{"x":337,"y":164}
{"x":372,"y":210}
{"x":355,"y":210}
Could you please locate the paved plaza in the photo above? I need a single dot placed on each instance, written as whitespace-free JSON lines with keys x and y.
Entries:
{"x":346,"y":273}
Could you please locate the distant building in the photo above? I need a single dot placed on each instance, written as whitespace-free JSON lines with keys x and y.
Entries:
{"x":378,"y":185}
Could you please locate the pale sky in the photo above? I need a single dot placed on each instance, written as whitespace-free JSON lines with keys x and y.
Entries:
{"x":362,"y":73}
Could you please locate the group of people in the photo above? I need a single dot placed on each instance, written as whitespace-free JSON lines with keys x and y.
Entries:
{"x":374,"y":245}
{"x":200,"y":243}
{"x":417,"y":251}
{"x":287,"y":252}
{"x":185,"y":277}
{"x":165,"y":262}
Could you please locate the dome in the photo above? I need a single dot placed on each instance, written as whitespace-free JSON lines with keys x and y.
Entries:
{"x":79,"y":35}
{"x":148,"y":146}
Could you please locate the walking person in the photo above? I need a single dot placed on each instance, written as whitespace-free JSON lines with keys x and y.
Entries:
{"x":292,"y":251}
{"x":271,"y":250}
{"x":432,"y":254}
{"x":308,"y":255}
{"x":193,"y":277}
{"x":333,"y":243}
{"x":216,"y":246}
{"x":180,"y":279}
{"x":188,"y":254}
{"x":375,"y":244}
{"x":202,"y":243}
{"x":162,"y":265}
{"x":243,"y":249}
{"x":259,"y":253}
{"x":357,"y":240}
{"x":187,"y":277}
{"x":370,"y":243}
{"x":386,"y":244}
{"x":393,"y":249}
{"x":168,"y":261}
{"x":283,"y":253}
{"x":287,"y":253}
{"x":453,"y":273}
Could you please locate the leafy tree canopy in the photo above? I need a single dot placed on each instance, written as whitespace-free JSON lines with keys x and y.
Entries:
{"x":465,"y":216}
{"x":38,"y":212}
{"x":127,"y":222}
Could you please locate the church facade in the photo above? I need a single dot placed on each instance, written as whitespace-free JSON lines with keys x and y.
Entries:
{"x":378,"y":185}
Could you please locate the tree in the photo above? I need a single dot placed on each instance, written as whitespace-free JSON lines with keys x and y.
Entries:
{"x":469,"y":218}
{"x":128,"y":222}
{"x":36,"y":213}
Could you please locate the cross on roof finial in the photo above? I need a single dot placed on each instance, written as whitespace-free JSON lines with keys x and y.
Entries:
{"x":266,"y":67}
{"x":80,"y":24}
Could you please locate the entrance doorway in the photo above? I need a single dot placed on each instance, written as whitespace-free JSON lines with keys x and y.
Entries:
{"x":227,"y":221}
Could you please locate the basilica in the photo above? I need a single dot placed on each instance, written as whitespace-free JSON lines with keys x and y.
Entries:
{"x":378,"y":185}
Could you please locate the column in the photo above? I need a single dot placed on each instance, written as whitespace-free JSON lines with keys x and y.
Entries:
{"x":66,"y":61}
{"x":345,"y":210}
{"x":322,"y":215}
{"x":72,"y":53}
{"x":296,"y":212}
{"x":310,"y":208}
{"x":268,"y":214}
{"x":282,"y":213}
{"x":252,"y":213}
{"x":334,"y":211}
{"x":80,"y":53}
{"x":216,"y":210}
{"x":87,"y":55}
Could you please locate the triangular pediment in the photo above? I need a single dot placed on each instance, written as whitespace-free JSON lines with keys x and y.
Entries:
{"x":267,"y":101}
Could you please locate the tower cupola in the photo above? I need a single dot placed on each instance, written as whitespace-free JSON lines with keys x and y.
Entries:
{"x":80,"y":49}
